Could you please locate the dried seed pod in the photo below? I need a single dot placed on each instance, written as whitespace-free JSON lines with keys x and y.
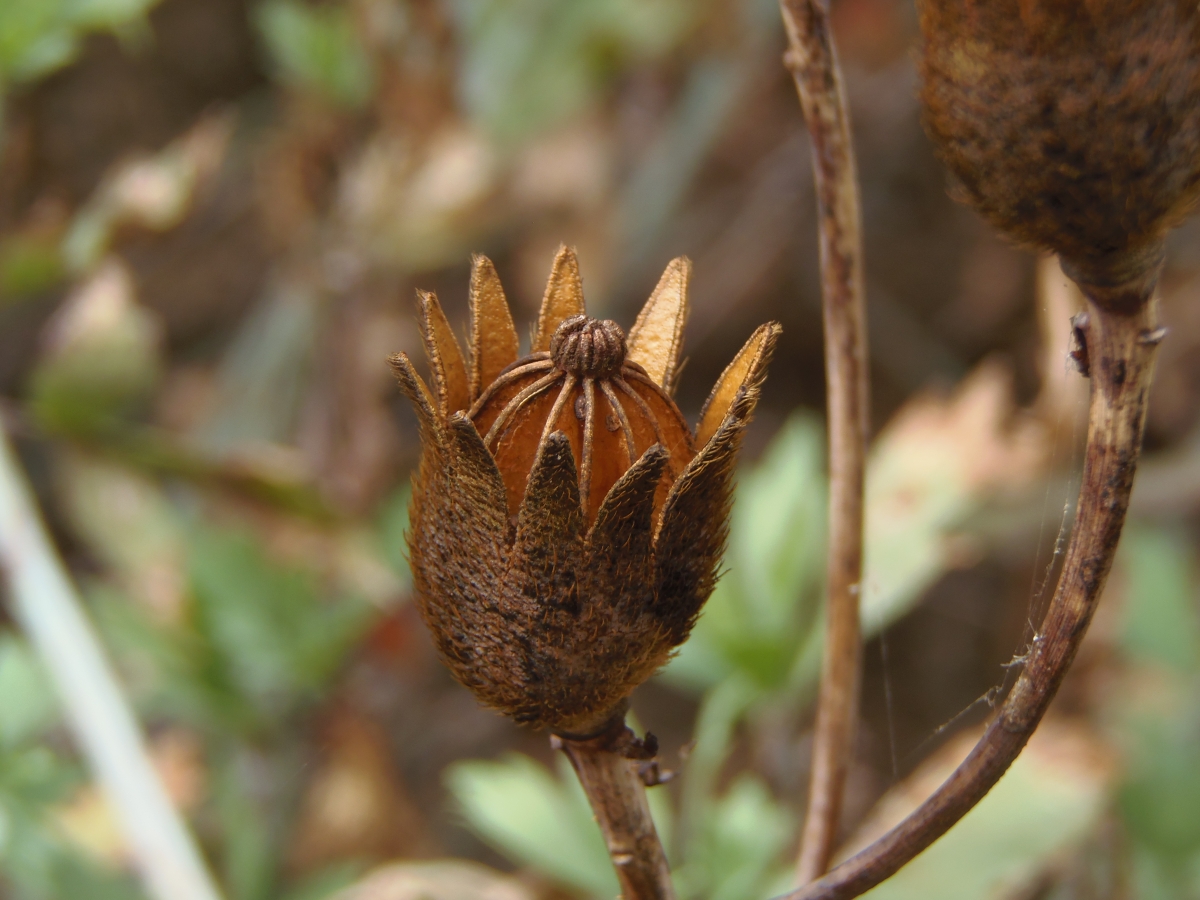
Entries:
{"x":1072,"y":125}
{"x":566,"y":524}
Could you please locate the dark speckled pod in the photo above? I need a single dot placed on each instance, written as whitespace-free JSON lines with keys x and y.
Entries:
{"x":566,"y":524}
{"x":1072,"y":125}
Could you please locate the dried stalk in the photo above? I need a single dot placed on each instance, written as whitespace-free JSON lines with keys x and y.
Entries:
{"x":813,"y":63}
{"x":1117,"y":338}
{"x":609,"y":767}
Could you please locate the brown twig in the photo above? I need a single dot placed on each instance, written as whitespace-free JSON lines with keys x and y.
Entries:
{"x":813,"y":63}
{"x":1119,"y":337}
{"x":610,"y":767}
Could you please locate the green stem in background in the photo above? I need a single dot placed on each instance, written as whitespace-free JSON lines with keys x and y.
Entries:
{"x":49,"y":612}
{"x":1118,"y":342}
{"x":813,"y":62}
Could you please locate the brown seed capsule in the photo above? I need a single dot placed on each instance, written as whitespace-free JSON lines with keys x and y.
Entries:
{"x":566,"y":524}
{"x":1072,"y":125}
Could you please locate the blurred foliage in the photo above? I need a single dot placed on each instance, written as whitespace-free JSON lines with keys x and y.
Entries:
{"x":392,"y":525}
{"x":258,"y":641}
{"x":537,"y":818}
{"x":243,"y":660}
{"x":1045,"y":805}
{"x":28,"y":265}
{"x":738,"y":849}
{"x":37,"y":38}
{"x":1157,"y":715}
{"x":317,"y":48}
{"x":241,"y":593}
{"x":256,"y":646}
{"x":530,"y":64}
{"x":37,"y":860}
{"x":149,"y":191}
{"x":103,"y":360}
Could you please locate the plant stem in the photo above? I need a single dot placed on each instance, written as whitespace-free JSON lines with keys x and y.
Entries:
{"x":813,"y":63}
{"x":608,"y":768}
{"x":1119,"y":341}
{"x":49,"y":612}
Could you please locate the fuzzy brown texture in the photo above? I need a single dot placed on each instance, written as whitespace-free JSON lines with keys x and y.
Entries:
{"x":1072,"y":125}
{"x":553,"y":608}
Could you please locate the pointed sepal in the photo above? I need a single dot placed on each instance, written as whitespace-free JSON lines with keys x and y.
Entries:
{"x":628,"y":508}
{"x":477,"y":482}
{"x":494,"y":341}
{"x":620,"y":541}
{"x":550,"y":514}
{"x":655,"y":340}
{"x":415,"y":389}
{"x":544,"y":578}
{"x":563,"y":298}
{"x":695,"y":523}
{"x":736,"y":391}
{"x":445,"y":358}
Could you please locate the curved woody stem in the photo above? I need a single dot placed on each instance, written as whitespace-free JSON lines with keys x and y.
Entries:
{"x":610,"y":768}
{"x":813,"y":62}
{"x":1117,"y":346}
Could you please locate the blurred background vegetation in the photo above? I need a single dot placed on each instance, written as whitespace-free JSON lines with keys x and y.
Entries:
{"x":213,"y":215}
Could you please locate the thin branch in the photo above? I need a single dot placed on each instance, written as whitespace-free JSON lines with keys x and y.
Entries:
{"x":610,"y":767}
{"x":1117,"y":345}
{"x":813,"y":63}
{"x":49,"y":612}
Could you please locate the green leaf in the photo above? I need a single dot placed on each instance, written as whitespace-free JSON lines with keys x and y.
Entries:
{"x":531,"y":64}
{"x":76,"y":876}
{"x":271,"y":633}
{"x":1156,"y":878}
{"x":1161,"y":793}
{"x":35,"y":859}
{"x":29,"y":705}
{"x":260,"y":639}
{"x":716,"y":719}
{"x":39,"y":36}
{"x":107,"y":13}
{"x":27,"y":266}
{"x":522,"y":810}
{"x":778,"y":540}
{"x":1161,"y":624}
{"x":317,"y":47}
{"x":128,"y":522}
{"x":325,"y":882}
{"x":392,"y":527}
{"x":740,"y":848}
{"x":765,"y":605}
{"x":1050,"y":799}
{"x":171,"y":670}
{"x":912,"y":507}
{"x":28,"y":31}
{"x":32,"y":778}
{"x":249,"y":852}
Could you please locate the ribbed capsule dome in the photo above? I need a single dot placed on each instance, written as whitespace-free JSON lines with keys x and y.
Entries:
{"x":608,"y":407}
